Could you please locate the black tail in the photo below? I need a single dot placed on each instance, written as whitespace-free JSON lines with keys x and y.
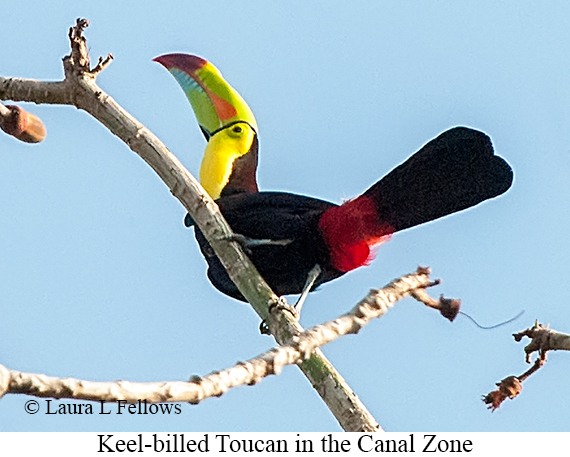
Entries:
{"x":452,"y":172}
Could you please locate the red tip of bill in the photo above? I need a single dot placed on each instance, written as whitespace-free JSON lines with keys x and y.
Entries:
{"x":185,"y":62}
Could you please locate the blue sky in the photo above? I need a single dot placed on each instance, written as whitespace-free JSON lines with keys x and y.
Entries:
{"x":100,"y":280}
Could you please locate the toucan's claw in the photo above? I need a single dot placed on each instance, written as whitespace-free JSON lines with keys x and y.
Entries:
{"x":280,"y":304}
{"x":264,"y":328}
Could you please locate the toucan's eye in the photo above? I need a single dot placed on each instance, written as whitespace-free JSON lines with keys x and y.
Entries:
{"x":237,"y":131}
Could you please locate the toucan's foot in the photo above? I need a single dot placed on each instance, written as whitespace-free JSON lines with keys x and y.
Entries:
{"x":296,"y":309}
{"x":281,"y":304}
{"x":311,"y":278}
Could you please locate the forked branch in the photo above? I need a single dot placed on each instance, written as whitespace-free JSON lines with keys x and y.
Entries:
{"x":543,"y":340}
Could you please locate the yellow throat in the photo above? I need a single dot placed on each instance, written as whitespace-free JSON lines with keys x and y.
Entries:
{"x":223,"y":148}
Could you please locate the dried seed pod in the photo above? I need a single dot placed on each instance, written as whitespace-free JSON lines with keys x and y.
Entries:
{"x":23,"y":125}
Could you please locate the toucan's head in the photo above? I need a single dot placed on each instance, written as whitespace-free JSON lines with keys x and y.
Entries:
{"x":227,"y":122}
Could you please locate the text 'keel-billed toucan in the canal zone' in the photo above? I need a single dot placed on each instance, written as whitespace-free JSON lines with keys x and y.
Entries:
{"x":454,"y":171}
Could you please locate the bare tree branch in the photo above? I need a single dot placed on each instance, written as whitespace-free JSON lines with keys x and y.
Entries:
{"x":374,"y":305}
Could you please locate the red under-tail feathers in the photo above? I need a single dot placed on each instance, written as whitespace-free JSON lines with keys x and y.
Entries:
{"x":350,"y":249}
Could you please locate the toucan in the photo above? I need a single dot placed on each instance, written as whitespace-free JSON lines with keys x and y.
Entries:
{"x":297,"y":242}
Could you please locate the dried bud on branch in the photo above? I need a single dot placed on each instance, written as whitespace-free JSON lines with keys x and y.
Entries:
{"x":508,"y":388}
